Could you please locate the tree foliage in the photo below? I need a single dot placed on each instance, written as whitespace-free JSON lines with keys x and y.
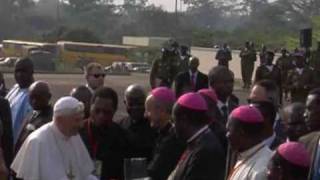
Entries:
{"x":204,"y":23}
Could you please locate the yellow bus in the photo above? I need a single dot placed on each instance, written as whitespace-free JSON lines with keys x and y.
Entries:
{"x":80,"y":54}
{"x":1,"y":51}
{"x":13,"y":48}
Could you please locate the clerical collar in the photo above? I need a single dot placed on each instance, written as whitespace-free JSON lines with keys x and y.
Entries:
{"x":57,"y":132}
{"x":165,"y":129}
{"x":250,"y":152}
{"x":269,"y":67}
{"x":198,"y":133}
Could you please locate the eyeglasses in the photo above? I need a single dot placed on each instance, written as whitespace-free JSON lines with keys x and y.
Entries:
{"x":98,"y":75}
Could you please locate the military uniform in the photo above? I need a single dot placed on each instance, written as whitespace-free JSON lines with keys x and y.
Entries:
{"x":285,"y":64}
{"x":272,"y":73}
{"x":315,"y":60}
{"x":300,"y":83}
{"x":248,"y":57}
{"x":224,"y":56}
{"x":262,"y":57}
{"x":183,"y":64}
{"x":164,"y":71}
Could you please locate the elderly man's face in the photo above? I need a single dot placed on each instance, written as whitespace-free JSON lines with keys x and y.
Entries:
{"x":95,"y":78}
{"x":233,"y":134}
{"x":152,"y":113}
{"x":74,"y":123}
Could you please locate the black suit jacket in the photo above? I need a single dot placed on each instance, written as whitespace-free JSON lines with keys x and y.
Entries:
{"x":6,"y":134}
{"x":232,"y":103}
{"x":203,"y":159}
{"x":141,"y":137}
{"x":166,"y":154}
{"x":183,"y":83}
{"x":37,"y":119}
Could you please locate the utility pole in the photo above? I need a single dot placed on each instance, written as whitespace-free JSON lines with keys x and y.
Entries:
{"x":176,"y":10}
{"x":58,"y":11}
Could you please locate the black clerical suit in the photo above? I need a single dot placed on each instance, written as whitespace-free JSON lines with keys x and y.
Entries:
{"x":141,"y":137}
{"x":203,"y":159}
{"x":32,"y":123}
{"x":166,"y":154}
{"x":108,"y":146}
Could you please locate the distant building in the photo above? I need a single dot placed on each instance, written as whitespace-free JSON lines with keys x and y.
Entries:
{"x":144,"y":41}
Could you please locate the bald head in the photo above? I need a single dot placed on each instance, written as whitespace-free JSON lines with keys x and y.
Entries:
{"x":295,"y":111}
{"x":40,"y":95}
{"x":134,"y":99}
{"x":135,"y":91}
{"x":194,"y":64}
{"x":158,"y":112}
{"x":294,"y":121}
{"x":83,"y":94}
{"x":23,"y":72}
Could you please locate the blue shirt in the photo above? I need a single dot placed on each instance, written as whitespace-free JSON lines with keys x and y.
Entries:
{"x":20,"y":108}
{"x":316,"y":165}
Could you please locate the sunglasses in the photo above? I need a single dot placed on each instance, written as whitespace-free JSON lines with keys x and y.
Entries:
{"x":98,"y":75}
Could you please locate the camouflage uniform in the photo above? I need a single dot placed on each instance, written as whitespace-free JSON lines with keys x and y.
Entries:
{"x":164,"y":71}
{"x":299,"y":85}
{"x":285,"y":64}
{"x":315,"y":60}
{"x":248,"y":57}
{"x":184,"y":63}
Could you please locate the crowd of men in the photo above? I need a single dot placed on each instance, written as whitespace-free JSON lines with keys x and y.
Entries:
{"x":189,"y":126}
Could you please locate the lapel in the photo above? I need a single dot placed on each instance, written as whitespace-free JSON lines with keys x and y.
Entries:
{"x":183,"y":164}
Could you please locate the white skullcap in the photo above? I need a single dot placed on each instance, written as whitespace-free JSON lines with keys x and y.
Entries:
{"x":67,"y":106}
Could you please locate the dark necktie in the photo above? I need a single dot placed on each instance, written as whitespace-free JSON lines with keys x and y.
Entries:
{"x":193,"y":83}
{"x":224,"y":110}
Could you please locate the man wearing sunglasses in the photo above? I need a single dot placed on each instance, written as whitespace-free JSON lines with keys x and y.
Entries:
{"x":94,"y":75}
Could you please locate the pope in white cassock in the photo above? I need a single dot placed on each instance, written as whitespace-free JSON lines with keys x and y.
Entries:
{"x":55,"y":151}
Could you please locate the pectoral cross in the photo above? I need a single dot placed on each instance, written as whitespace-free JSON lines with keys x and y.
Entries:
{"x":70,"y":174}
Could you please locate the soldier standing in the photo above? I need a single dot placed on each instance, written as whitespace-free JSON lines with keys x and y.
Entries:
{"x":263,"y":54}
{"x":224,"y":56}
{"x":184,"y":58}
{"x":284,"y":62}
{"x":300,"y":80}
{"x":165,"y":69}
{"x":269,"y":71}
{"x":315,"y":58}
{"x":248,"y":56}
{"x":315,"y":64}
